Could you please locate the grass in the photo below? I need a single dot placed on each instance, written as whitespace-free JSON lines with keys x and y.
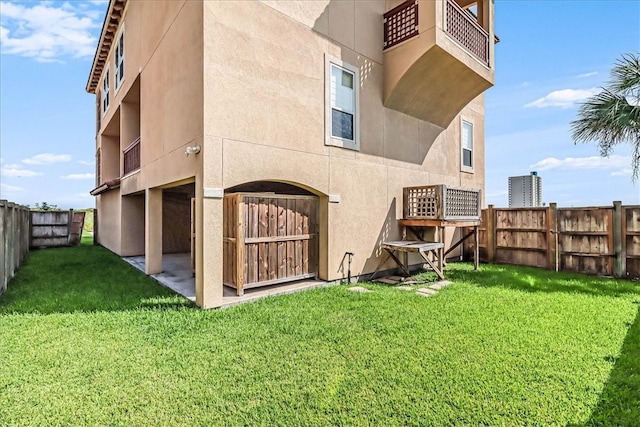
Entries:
{"x":87,"y":340}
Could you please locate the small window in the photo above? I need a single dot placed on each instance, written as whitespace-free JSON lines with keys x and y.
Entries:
{"x":467,"y":146}
{"x":342,"y":105}
{"x":119,"y":60}
{"x":105,"y":92}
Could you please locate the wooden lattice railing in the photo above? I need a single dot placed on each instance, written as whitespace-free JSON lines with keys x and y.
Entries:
{"x":440,"y":202}
{"x":463,"y":28}
{"x":401,"y":23}
{"x":132,"y":156}
{"x":98,"y":166}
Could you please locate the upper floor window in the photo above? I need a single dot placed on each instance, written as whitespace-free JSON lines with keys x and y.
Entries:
{"x":105,"y":92}
{"x":119,"y":60}
{"x":342,"y":88}
{"x":467,"y":146}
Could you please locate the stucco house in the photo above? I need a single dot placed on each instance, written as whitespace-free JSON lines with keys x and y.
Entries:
{"x":271,"y":138}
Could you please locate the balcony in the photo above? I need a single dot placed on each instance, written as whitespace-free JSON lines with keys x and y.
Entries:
{"x":438,"y":57}
{"x":132,"y":157}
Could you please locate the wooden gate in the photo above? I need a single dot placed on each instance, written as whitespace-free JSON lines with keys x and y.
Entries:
{"x":268,"y":239}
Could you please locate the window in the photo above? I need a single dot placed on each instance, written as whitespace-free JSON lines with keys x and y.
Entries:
{"x":105,"y":92}
{"x":467,"y":146}
{"x":119,"y":60}
{"x":342,"y":87}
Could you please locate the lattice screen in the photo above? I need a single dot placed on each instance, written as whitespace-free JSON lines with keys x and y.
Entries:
{"x":470,"y":34}
{"x":422,"y":202}
{"x":400,"y":23}
{"x":461,"y":203}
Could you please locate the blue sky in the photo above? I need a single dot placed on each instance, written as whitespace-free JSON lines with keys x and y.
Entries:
{"x":552,"y":54}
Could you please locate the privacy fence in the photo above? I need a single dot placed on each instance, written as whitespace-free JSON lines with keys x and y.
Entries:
{"x":21,"y":229}
{"x":14,"y":239}
{"x":592,"y":240}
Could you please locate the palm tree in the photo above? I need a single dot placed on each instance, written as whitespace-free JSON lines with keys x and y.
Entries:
{"x":612,"y":116}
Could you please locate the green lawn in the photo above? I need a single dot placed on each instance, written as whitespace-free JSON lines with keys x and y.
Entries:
{"x":87,"y":340}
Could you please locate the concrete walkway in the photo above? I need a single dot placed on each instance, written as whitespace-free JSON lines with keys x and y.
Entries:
{"x":177,"y":275}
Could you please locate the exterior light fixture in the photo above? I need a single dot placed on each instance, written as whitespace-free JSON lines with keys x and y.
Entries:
{"x":192,"y":150}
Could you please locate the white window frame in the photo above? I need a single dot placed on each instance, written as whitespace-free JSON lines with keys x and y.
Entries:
{"x":118,"y":59}
{"x":105,"y":92}
{"x":329,"y":138}
{"x":463,"y":167}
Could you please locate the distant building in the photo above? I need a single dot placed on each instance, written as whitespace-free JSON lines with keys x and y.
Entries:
{"x":525,"y":191}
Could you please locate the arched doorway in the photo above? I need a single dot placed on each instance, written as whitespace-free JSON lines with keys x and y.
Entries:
{"x":271,"y":235}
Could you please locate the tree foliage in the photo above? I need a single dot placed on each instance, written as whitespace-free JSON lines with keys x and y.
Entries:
{"x":44,"y":206}
{"x":612,"y":116}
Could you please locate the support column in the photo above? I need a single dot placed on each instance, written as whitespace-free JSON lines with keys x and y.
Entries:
{"x":209,"y":284}
{"x":153,"y":231}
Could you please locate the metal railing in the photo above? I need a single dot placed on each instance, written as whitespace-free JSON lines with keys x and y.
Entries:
{"x":132,"y":157}
{"x":461,"y":26}
{"x":401,"y":23}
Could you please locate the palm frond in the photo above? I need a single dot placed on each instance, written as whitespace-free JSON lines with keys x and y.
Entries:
{"x":625,"y":75}
{"x":608,"y":118}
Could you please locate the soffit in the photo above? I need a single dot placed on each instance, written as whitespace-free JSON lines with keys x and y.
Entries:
{"x":109,"y":28}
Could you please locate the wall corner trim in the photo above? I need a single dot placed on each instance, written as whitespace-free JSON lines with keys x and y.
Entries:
{"x":213,"y":193}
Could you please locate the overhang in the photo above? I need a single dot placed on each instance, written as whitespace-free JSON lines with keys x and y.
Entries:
{"x":110,"y":26}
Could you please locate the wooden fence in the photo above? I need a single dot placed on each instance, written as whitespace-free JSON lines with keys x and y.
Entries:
{"x":14,"y":239}
{"x":268,"y":239}
{"x":592,"y":240}
{"x":56,"y":228}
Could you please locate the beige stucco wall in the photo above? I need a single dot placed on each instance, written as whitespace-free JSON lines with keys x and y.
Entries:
{"x":245,"y":80}
{"x":265,"y":108}
{"x":160,"y":100}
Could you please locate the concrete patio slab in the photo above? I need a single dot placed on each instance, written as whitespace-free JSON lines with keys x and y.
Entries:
{"x":177,"y":275}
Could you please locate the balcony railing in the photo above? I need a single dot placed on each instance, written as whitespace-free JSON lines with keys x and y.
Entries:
{"x":465,"y":30}
{"x":401,"y":23}
{"x":132,"y":157}
{"x":98,"y":167}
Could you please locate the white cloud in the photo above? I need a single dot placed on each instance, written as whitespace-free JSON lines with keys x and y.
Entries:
{"x":563,"y":98}
{"x":622,"y":172}
{"x":18,"y":171}
{"x":87,"y":162}
{"x":79,"y":176}
{"x":47,"y":159}
{"x":10,"y":188}
{"x":594,"y":162}
{"x":585,"y":75}
{"x":42,"y":31}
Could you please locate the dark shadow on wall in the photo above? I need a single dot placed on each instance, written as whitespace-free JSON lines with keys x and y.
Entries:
{"x":390,"y":230}
{"x":383,"y":132}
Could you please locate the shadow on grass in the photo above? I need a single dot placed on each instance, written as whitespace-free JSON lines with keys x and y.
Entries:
{"x":83,"y":279}
{"x":531,"y":279}
{"x":619,"y":403}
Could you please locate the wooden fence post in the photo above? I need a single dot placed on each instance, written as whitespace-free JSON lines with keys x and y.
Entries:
{"x":552,"y":237}
{"x":619,"y":261}
{"x":4,"y":276}
{"x":491,"y":234}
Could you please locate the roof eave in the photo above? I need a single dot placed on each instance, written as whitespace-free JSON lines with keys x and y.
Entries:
{"x":110,"y":25}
